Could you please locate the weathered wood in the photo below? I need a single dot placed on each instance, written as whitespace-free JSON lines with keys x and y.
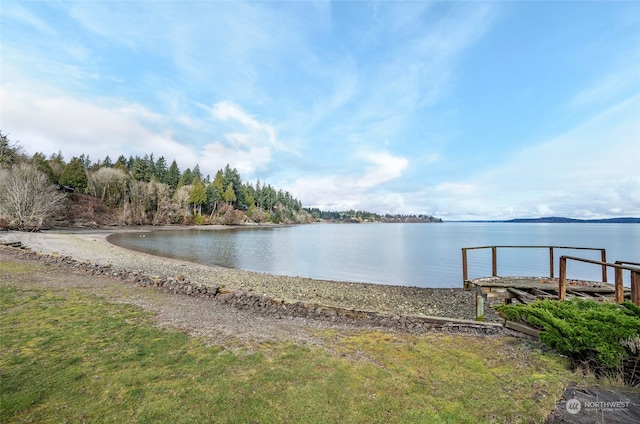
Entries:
{"x":619,"y":286}
{"x":603,"y":258}
{"x":635,"y":288}
{"x":497,"y":292}
{"x":562,"y":284}
{"x":465,"y":270}
{"x":579,"y":294}
{"x":494,"y":261}
{"x":526,"y":288}
{"x":594,"y":289}
{"x":523,"y":328}
{"x":542,"y":293}
{"x":522,"y":295}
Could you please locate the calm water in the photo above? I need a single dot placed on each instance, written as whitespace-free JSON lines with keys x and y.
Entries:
{"x":423,"y":255}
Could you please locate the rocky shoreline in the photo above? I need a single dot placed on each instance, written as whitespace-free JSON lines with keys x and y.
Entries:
{"x":317,"y":298}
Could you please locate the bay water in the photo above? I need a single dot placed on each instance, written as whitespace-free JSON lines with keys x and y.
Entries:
{"x":422,"y":255}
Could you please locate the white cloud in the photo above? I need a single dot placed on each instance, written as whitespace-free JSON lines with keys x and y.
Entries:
{"x":610,"y":86}
{"x":45,"y":120}
{"x":353,"y":191}
{"x":385,"y":167}
{"x":591,"y":171}
{"x":19,"y":13}
{"x":246,"y":161}
{"x":256,"y":132}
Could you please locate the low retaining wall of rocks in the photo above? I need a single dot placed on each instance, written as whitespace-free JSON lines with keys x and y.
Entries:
{"x":263,"y":304}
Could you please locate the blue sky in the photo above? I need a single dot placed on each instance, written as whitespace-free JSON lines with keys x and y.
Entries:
{"x":461,"y":110}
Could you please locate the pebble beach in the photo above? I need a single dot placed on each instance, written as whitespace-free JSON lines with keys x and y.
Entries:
{"x":92,"y":245}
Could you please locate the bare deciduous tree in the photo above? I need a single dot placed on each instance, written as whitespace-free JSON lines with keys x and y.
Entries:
{"x":28,"y":200}
{"x":108,"y":184}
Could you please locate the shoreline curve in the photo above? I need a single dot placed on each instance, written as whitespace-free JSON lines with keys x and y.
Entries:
{"x":92,"y":245}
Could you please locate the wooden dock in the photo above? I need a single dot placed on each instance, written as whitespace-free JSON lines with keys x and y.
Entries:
{"x":518,"y":289}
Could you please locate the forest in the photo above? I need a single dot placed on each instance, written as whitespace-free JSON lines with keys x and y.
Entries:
{"x":39,"y":191}
{"x":42,"y":191}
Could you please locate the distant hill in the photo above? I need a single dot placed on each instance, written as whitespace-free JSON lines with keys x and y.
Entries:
{"x":555,"y":219}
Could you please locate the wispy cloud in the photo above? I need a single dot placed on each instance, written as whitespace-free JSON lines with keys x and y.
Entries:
{"x":584,"y":173}
{"x":609,"y":87}
{"x":49,"y":121}
{"x":345,"y":104}
{"x":375,"y":168}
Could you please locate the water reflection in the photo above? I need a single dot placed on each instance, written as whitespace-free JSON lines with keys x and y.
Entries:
{"x":424,"y":255}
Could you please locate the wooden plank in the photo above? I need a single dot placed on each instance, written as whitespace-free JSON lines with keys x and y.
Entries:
{"x":587,"y":289}
{"x":542,"y":293}
{"x":522,"y":294}
{"x":579,"y":294}
{"x":523,"y":328}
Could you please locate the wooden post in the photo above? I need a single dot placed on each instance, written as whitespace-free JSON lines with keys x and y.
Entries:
{"x":465,"y":269}
{"x":635,"y":287}
{"x":603,"y":256}
{"x":619,"y":286}
{"x":480,"y":298}
{"x":562,"y":285}
{"x":494,"y":261}
{"x":551,"y":270}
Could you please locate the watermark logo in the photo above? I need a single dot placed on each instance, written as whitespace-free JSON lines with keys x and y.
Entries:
{"x":573,"y":406}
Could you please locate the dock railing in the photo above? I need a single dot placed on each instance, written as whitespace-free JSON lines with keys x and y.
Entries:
{"x":619,"y":266}
{"x":494,"y":258}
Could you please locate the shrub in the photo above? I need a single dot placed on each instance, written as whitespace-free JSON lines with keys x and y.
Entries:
{"x":588,"y":332}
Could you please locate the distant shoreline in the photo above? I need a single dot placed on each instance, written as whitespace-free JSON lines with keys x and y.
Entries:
{"x":562,"y":220}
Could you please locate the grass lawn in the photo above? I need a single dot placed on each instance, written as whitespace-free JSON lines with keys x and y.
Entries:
{"x":69,"y":356}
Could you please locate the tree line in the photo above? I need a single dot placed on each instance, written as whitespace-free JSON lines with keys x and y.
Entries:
{"x":138,"y":190}
{"x":364,"y":216}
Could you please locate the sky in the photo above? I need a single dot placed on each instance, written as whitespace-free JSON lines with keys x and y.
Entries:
{"x":455,"y":109}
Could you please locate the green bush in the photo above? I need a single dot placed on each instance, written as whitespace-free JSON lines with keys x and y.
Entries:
{"x":199,"y":220}
{"x":586,"y":331}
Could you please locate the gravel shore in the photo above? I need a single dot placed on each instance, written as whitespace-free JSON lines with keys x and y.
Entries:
{"x":92,"y":246}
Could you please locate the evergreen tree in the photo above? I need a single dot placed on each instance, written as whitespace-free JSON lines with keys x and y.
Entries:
{"x":86,"y":162}
{"x":151,"y":167}
{"x":232,"y":176}
{"x":161,"y":169}
{"x":186,"y":178}
{"x":229,"y":195}
{"x":10,"y":151}
{"x":57,"y":164}
{"x":121,"y":163}
{"x":140,"y":170}
{"x":74,"y":174}
{"x":215,"y":192}
{"x":107,"y":162}
{"x":172,"y":177}
{"x":42,"y":163}
{"x":198,"y":195}
{"x":196,"y":174}
{"x":268,"y":197}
